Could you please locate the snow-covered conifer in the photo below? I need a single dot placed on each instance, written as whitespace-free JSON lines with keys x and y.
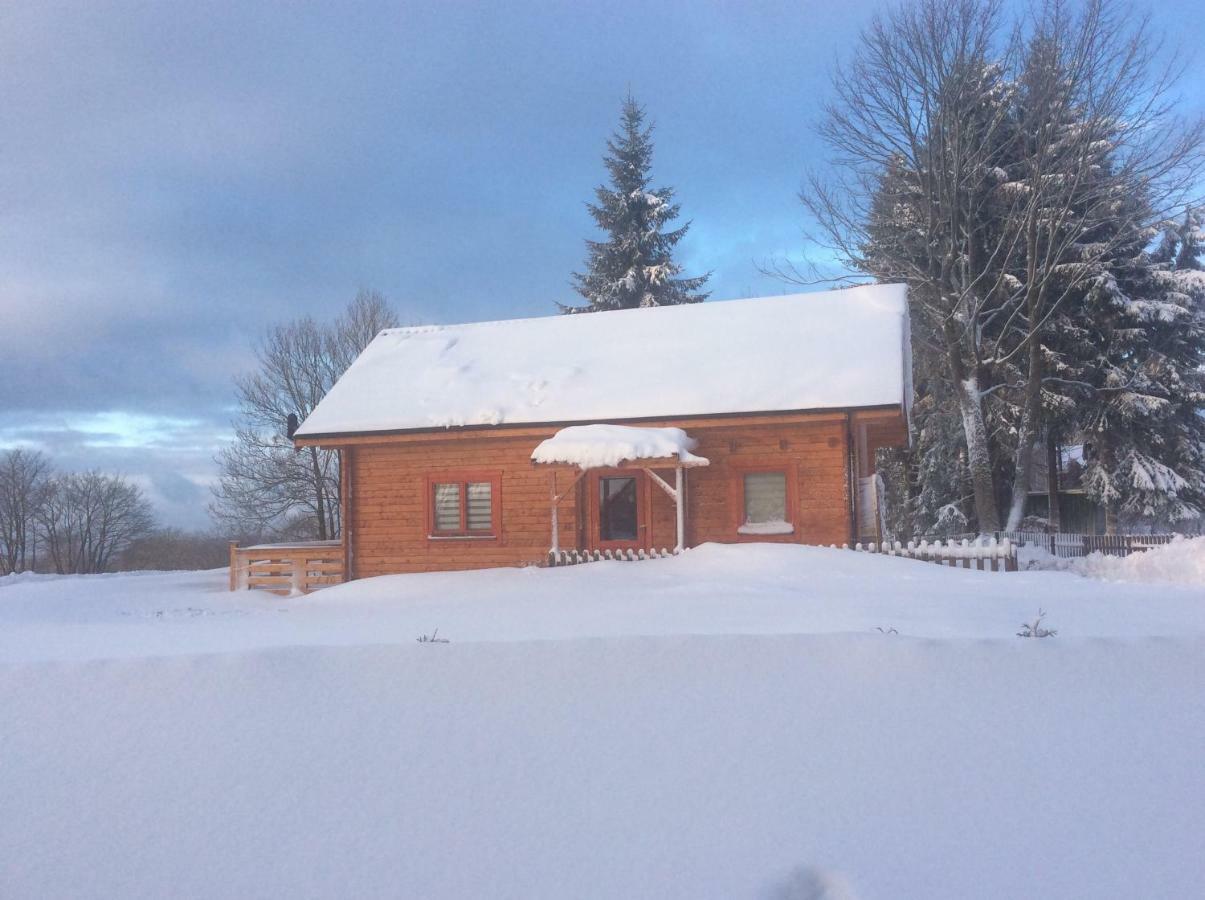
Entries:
{"x":1142,"y":419}
{"x":634,"y":266}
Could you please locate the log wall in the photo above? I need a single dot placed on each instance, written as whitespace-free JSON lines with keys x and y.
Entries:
{"x":388,"y":484}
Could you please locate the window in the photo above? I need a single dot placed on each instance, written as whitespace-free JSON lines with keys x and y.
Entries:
{"x":765,"y":504}
{"x":463,"y":506}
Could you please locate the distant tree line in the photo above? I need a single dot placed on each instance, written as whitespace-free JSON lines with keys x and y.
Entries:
{"x":65,"y":522}
{"x":72,"y":523}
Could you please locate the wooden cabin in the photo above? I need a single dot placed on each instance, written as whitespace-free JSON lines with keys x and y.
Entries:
{"x":496,"y":443}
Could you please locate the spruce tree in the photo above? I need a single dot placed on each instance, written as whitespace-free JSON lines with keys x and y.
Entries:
{"x":1142,"y":420}
{"x":634,"y":266}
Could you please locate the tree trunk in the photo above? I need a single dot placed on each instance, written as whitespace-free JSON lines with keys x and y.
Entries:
{"x":979,"y":459}
{"x":1109,"y":500}
{"x":319,"y":493}
{"x":974,"y":428}
{"x":1027,"y":435}
{"x":1053,"y":517}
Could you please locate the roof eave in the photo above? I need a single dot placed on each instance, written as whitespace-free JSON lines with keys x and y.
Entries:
{"x":317,"y":439}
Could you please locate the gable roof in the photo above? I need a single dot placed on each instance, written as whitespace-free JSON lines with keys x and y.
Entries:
{"x":827,"y":350}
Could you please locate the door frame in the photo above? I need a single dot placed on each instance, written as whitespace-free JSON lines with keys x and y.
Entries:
{"x":644,"y":520}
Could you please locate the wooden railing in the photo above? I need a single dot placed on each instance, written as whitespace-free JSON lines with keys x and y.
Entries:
{"x":286,"y":568}
{"x":577,"y":557}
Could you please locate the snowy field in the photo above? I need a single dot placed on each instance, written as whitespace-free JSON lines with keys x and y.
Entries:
{"x":731,"y":723}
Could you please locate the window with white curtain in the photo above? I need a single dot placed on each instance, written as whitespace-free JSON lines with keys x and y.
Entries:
{"x":764,"y":495}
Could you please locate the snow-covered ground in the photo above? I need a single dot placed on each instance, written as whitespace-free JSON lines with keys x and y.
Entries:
{"x":730,"y":723}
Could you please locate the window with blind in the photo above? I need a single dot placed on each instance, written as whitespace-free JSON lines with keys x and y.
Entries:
{"x":463,"y":507}
{"x":764,"y":497}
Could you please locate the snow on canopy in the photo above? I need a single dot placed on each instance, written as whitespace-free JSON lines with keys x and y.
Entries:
{"x":827,"y":350}
{"x":601,"y":446}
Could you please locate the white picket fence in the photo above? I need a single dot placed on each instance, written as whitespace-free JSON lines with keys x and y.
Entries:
{"x":577,"y":557}
{"x":984,"y":554}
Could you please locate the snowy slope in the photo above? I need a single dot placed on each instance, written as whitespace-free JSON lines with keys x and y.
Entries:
{"x":730,"y":723}
{"x":831,"y":349}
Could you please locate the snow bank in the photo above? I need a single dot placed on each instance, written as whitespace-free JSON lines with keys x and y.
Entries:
{"x":716,"y":589}
{"x":1180,"y":562}
{"x":688,"y":767}
{"x":825,"y":350}
{"x":599,"y":446}
{"x":740,"y":721}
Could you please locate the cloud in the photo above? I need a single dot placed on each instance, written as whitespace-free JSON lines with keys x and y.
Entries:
{"x":171,"y":459}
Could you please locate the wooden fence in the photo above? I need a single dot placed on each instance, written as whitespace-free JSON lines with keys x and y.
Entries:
{"x":1069,"y":545}
{"x":286,"y":568}
{"x":577,"y":557}
{"x":983,"y":553}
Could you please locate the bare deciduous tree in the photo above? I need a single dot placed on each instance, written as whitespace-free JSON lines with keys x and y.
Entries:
{"x":24,"y":476}
{"x":266,"y":486}
{"x":89,"y":518}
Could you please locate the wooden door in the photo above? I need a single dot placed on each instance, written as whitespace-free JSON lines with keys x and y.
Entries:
{"x":618,"y":510}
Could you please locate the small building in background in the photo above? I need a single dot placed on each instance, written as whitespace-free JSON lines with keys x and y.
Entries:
{"x":1077,"y":513}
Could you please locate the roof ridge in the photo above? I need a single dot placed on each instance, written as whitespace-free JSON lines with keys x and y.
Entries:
{"x":433,"y":328}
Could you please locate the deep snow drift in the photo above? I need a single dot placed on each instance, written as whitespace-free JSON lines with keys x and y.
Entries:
{"x":1180,"y":562}
{"x":731,"y":723}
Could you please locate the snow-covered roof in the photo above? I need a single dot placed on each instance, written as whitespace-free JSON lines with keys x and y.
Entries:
{"x":827,"y":350}
{"x":602,"y":446}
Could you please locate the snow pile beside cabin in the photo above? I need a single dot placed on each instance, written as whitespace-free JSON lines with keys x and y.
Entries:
{"x":1180,"y":562}
{"x":601,"y":446}
{"x":829,"y":350}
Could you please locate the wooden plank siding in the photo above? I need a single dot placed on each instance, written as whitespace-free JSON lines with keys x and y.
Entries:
{"x":386,"y":481}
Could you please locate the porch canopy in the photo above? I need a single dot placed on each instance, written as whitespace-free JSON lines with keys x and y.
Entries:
{"x":601,"y":446}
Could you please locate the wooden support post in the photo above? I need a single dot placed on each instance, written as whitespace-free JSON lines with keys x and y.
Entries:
{"x":556,"y":530}
{"x":680,"y":509}
{"x":298,"y":580}
{"x":233,"y":566}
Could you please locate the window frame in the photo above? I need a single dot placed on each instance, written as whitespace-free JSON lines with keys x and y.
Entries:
{"x":463,"y":479}
{"x":738,"y":471}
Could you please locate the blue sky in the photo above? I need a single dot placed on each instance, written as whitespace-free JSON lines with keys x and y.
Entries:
{"x":175,"y":177}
